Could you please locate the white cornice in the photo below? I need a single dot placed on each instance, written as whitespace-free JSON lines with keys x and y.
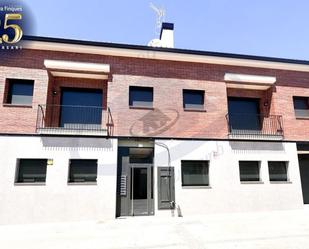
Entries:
{"x":248,"y":78}
{"x":77,"y":66}
{"x":162,"y":55}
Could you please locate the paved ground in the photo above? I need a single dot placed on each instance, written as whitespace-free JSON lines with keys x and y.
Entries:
{"x":269,"y":230}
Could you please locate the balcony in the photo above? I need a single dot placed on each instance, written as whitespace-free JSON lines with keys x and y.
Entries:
{"x":74,"y":120}
{"x":252,"y":126}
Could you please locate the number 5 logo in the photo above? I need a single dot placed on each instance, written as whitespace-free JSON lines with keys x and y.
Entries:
{"x":17,"y":30}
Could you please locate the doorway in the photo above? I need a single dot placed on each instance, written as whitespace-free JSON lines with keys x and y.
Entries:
{"x":141,"y":194}
{"x":135,"y":182}
{"x":81,"y":108}
{"x":244,"y":114}
{"x":304,"y":174}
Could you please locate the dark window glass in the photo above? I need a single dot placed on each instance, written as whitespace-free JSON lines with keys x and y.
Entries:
{"x":193,"y":99}
{"x":81,"y":108}
{"x":20,"y":92}
{"x":140,"y":96}
{"x":244,"y":114}
{"x":278,"y":171}
{"x":31,"y":170}
{"x":194,"y":173}
{"x":249,"y":170}
{"x":83,"y":170}
{"x":301,"y":106}
{"x":139,"y":187}
{"x":301,"y":103}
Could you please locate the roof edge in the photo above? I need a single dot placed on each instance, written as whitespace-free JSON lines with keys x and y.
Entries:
{"x":170,"y":50}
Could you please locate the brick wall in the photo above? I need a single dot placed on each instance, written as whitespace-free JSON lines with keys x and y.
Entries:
{"x":168,"y":79}
{"x":22,"y":119}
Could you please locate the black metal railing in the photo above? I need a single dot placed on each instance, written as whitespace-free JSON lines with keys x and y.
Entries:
{"x":55,"y":118}
{"x":255,"y":125}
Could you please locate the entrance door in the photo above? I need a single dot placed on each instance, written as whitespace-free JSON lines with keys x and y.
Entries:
{"x":304,"y":174}
{"x":81,"y":108}
{"x":135,"y":181}
{"x":244,"y":114}
{"x":141,"y":196}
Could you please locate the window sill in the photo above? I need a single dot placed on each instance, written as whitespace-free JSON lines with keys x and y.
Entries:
{"x":15,"y":105}
{"x":82,"y":183}
{"x":251,"y":182}
{"x":193,"y":110}
{"x":141,"y":107}
{"x":197,"y":187}
{"x":30,"y":184}
{"x":280,"y":182}
{"x":302,"y":117}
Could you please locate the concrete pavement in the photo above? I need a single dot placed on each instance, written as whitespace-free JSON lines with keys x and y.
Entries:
{"x":265,"y":230}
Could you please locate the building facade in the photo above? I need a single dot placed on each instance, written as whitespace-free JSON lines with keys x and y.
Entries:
{"x":94,"y":131}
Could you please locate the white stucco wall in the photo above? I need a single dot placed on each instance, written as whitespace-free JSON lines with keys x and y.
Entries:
{"x":226,"y":192}
{"x":57,"y":201}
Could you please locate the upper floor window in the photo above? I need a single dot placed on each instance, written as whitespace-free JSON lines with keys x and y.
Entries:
{"x":301,"y":106}
{"x":31,"y":171}
{"x":140,"y":96}
{"x":194,"y":173}
{"x":244,"y":114}
{"x":81,"y":108}
{"x":249,"y":171}
{"x":20,"y":92}
{"x":193,"y":99}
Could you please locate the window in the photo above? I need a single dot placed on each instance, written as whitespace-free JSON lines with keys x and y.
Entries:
{"x":194,"y":173}
{"x":83,"y":171}
{"x":20,"y":92}
{"x":193,"y":99}
{"x":249,"y":171}
{"x":140,"y":96}
{"x":81,"y":108}
{"x":301,"y":106}
{"x":244,"y":114}
{"x":278,"y":171}
{"x":31,"y":171}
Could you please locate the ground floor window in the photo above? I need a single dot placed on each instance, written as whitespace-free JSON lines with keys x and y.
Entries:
{"x":83,"y":171}
{"x":195,"y":173}
{"x":278,"y":171}
{"x":249,"y":171}
{"x":31,"y":170}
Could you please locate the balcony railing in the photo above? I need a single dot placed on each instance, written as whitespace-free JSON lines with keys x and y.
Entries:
{"x":74,"y":120}
{"x":252,"y":126}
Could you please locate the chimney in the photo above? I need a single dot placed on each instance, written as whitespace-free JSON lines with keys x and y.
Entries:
{"x":167,"y":35}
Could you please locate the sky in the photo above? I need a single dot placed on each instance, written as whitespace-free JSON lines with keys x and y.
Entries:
{"x":274,"y":28}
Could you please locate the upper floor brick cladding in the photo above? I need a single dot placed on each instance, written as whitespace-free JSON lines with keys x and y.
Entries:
{"x":166,"y":80}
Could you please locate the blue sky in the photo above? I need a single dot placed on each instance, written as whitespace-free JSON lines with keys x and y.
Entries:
{"x":277,"y":28}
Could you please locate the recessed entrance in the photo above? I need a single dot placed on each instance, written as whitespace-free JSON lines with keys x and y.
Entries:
{"x":135,"y":181}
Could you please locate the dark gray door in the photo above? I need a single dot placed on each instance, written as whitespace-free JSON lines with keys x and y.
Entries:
{"x":135,"y":189}
{"x":81,"y":108}
{"x":304,"y":174}
{"x":244,"y":114}
{"x":141,"y":196}
{"x":166,"y":188}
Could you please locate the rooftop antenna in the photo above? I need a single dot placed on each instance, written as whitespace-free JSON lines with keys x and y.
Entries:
{"x":160,"y":12}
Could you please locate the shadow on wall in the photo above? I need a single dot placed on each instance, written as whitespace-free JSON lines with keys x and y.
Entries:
{"x":77,"y":143}
{"x":256,"y":147}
